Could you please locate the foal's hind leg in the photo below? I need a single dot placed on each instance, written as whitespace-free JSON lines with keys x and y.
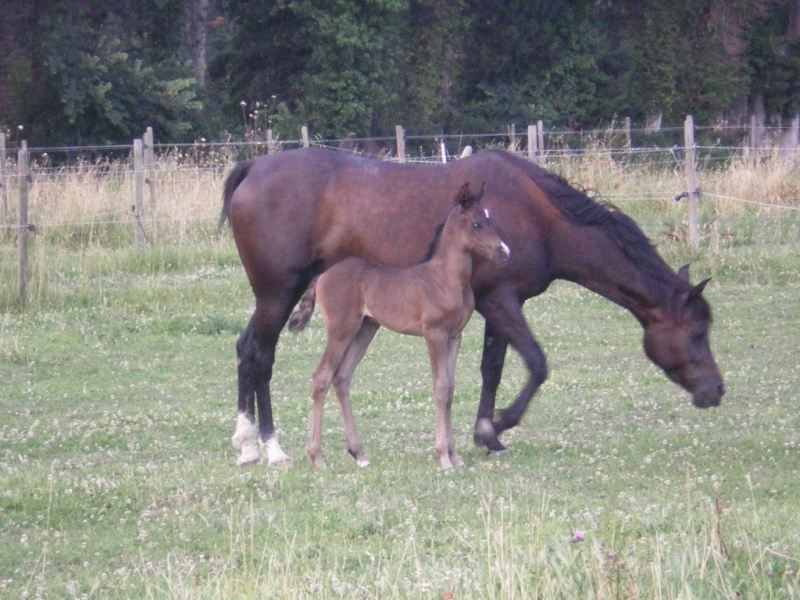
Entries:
{"x":335,"y":349}
{"x":341,"y":383}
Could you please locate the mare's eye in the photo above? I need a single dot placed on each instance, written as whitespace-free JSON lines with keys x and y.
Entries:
{"x":476,"y":225}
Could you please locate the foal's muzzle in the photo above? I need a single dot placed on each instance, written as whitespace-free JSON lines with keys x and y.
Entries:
{"x":502,"y":253}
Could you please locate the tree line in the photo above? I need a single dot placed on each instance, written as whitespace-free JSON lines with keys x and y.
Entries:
{"x":98,"y":71}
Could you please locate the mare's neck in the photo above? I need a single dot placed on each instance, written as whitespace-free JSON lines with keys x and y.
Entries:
{"x":590,"y":258}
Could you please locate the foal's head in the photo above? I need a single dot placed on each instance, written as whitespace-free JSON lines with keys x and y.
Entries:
{"x":474,"y":229}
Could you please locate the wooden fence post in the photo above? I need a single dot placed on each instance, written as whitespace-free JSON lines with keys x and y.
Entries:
{"x":628,"y":144}
{"x":789,"y":140}
{"x":23,"y":174}
{"x":691,"y":182}
{"x":3,"y":180}
{"x":533,"y":143}
{"x":400,"y":134}
{"x":540,"y":144}
{"x":138,"y":191}
{"x":304,"y":135}
{"x":150,"y":179}
{"x":512,"y":137}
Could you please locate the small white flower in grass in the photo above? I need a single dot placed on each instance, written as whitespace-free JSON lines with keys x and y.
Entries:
{"x":577,"y":536}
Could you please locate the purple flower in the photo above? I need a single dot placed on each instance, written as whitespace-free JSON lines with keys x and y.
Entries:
{"x":577,"y":536}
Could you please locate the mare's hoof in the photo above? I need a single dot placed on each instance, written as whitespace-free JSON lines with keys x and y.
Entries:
{"x":249,"y":456}
{"x":283,"y":462}
{"x":362,"y":463}
{"x":485,"y":435}
{"x":502,"y":451}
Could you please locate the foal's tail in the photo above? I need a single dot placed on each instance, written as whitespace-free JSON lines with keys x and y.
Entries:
{"x":232,"y":181}
{"x":302,"y":314}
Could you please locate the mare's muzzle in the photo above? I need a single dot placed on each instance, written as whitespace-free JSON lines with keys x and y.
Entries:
{"x":709,"y":395}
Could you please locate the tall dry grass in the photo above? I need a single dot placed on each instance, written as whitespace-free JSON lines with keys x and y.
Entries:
{"x":93,"y":202}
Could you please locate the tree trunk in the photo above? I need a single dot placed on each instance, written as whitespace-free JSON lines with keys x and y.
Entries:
{"x":196,"y":27}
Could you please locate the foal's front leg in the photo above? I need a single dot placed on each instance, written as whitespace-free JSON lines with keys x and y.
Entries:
{"x":438,"y":351}
{"x":452,"y":355}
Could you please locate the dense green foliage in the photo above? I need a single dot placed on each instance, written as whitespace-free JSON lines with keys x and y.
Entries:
{"x":93,"y":71}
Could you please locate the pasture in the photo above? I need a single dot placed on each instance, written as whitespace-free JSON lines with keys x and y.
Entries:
{"x":118,"y":400}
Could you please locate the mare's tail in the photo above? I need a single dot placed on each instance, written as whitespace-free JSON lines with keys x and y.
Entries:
{"x":302,"y":314}
{"x":232,"y":181}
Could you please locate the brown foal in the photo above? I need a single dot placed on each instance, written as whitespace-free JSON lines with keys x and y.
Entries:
{"x":433,"y":299}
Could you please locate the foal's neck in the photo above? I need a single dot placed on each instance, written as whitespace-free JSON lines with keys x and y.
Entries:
{"x":451,"y":259}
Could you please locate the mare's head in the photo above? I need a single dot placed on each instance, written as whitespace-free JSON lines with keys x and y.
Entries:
{"x":475,"y":229}
{"x":677,"y":341}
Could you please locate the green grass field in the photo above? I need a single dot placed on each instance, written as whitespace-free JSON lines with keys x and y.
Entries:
{"x":118,"y":480}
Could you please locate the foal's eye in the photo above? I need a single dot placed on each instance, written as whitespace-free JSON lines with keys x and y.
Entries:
{"x":476,"y":225}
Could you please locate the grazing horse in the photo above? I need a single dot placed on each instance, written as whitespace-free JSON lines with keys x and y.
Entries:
{"x":433,"y":299}
{"x":294,"y":214}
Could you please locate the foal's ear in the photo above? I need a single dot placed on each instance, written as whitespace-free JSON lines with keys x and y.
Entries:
{"x":463,"y":195}
{"x":683,"y":273}
{"x":480,"y":194}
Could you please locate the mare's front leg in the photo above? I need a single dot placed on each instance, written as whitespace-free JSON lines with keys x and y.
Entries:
{"x":492,"y":362}
{"x":503,"y":313}
{"x":438,"y":346}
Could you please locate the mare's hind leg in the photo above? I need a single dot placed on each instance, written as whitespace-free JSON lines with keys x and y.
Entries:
{"x":246,"y":434}
{"x":256,"y":355}
{"x":341,"y":383}
{"x":503,"y":311}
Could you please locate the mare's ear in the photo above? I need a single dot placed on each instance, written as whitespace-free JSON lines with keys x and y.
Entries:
{"x":697,"y":290}
{"x":463,"y":195}
{"x":683,"y":273}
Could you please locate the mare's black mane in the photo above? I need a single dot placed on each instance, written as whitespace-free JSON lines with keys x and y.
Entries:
{"x":581,"y":209}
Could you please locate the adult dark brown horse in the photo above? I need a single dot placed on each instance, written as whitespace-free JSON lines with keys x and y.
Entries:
{"x":296,"y":213}
{"x":433,"y":299}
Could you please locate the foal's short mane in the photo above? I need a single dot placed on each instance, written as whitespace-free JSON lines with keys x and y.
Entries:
{"x":584,"y":210}
{"x":437,"y":232}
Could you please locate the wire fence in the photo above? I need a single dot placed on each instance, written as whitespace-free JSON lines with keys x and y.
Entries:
{"x":92,"y":186}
